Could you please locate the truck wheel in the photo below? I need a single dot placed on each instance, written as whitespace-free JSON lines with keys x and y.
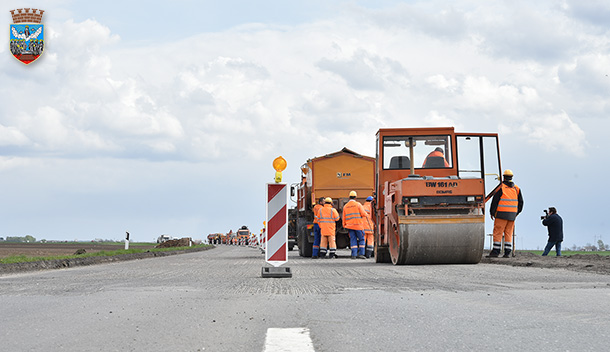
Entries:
{"x":300,"y":245}
{"x":342,"y":240}
{"x":305,"y":248}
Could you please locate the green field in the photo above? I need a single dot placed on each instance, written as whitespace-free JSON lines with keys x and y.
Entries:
{"x":25,"y":258}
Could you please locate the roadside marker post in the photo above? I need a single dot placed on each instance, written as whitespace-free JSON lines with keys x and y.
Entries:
{"x":276,"y":242}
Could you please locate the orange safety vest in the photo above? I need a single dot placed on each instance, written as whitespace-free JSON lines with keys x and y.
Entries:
{"x":436,"y":153}
{"x":353,"y":215}
{"x":509,"y":203}
{"x":368,"y":222}
{"x":328,"y":217}
{"x":316,"y":209}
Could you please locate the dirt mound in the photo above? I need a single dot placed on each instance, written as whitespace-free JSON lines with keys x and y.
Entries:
{"x":183,"y":242}
{"x":578,"y":262}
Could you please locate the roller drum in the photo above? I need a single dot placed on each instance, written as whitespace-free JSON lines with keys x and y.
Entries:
{"x":438,"y":243}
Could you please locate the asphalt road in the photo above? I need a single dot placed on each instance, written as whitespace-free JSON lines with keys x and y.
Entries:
{"x":216,"y":300}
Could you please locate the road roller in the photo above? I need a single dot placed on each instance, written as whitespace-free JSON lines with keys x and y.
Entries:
{"x":431,"y":187}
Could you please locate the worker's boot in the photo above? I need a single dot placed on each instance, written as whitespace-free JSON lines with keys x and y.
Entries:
{"x":367,"y":254}
{"x":495,"y":253}
{"x":507,"y":253}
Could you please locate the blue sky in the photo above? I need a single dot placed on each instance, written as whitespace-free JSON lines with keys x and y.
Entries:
{"x":165,"y":117}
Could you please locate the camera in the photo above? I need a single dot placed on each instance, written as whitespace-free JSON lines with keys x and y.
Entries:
{"x":546,"y":214}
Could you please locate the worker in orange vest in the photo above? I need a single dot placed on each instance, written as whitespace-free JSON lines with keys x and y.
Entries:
{"x":317,"y":236}
{"x":353,"y":219}
{"x":327,"y":219}
{"x":368,"y":227}
{"x":506,"y":204}
{"x":437,"y":153}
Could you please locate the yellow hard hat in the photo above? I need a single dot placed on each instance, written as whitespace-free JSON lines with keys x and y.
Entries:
{"x":508,"y":172}
{"x":328,"y":200}
{"x":353,"y":194}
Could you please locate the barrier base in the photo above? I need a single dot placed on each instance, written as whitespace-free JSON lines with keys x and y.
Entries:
{"x":270,"y":271}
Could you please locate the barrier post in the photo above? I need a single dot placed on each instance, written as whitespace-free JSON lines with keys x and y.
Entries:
{"x":276,"y":242}
{"x":126,"y":240}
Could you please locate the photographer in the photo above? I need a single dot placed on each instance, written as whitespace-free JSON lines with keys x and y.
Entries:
{"x":554,"y":222}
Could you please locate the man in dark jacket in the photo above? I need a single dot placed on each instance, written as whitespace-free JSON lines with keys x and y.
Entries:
{"x":554,"y":223}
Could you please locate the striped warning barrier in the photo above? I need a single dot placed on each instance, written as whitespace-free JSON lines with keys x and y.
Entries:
{"x":276,"y":252}
{"x":263,"y":241}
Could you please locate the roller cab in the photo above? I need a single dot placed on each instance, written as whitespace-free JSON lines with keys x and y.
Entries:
{"x":431,"y":189}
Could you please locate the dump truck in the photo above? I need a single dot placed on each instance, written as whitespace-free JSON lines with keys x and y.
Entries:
{"x":214,"y":238}
{"x":226,"y":237}
{"x":332,"y":175}
{"x":243,"y":235}
{"x":430,"y":193}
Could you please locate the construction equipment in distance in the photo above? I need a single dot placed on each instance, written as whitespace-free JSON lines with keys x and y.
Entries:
{"x":243,"y":235}
{"x":333,"y":175}
{"x":431,"y":189}
{"x":214,"y":238}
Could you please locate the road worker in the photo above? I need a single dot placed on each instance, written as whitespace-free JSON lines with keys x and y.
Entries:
{"x":317,"y":236}
{"x":368,"y":227}
{"x":436,"y":158}
{"x":507,"y":203}
{"x":354,"y":217}
{"x":327,"y":219}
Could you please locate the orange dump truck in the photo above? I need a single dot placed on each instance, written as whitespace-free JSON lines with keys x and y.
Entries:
{"x":214,"y":238}
{"x":333,"y":175}
{"x":243,"y":235}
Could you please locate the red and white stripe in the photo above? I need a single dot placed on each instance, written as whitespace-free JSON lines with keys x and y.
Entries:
{"x":263,"y":240}
{"x":276,"y":252}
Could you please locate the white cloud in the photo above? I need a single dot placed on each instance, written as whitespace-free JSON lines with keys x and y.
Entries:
{"x":447,"y":23}
{"x":595,"y":12}
{"x":364,"y":71}
{"x":556,"y":133}
{"x":12,"y":136}
{"x":440,"y":82}
{"x":589,"y":74}
{"x":435,"y":119}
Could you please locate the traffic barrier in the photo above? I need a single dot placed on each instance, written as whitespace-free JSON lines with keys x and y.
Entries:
{"x":276,"y":252}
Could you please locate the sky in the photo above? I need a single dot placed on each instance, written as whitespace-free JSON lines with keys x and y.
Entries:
{"x":165,"y":117}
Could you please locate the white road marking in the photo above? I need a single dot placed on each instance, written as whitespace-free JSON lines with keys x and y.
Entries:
{"x":288,"y":340}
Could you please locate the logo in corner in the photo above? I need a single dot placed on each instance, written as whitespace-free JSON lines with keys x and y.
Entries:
{"x":27,"y":35}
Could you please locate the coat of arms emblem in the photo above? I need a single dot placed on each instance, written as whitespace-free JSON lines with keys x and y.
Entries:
{"x":27,"y":34}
